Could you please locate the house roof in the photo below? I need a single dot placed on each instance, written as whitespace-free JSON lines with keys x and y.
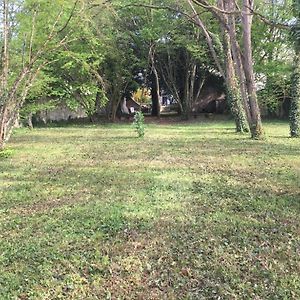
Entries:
{"x":135,"y":102}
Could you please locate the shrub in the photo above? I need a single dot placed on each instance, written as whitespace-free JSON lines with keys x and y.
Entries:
{"x":139,"y":124}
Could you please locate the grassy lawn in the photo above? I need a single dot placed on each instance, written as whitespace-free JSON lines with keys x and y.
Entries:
{"x":189,"y":212}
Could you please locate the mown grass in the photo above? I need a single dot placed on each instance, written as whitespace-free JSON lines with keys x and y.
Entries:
{"x":189,"y":212}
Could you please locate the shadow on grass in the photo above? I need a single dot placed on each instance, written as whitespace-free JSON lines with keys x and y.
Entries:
{"x":211,"y":240}
{"x":189,"y":229}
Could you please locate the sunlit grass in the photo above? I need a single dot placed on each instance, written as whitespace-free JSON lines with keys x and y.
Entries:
{"x":192,"y":211}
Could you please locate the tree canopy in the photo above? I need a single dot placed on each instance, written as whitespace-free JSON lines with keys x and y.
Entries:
{"x":93,"y":54}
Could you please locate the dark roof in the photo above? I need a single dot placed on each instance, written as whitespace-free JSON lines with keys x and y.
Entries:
{"x":131,"y":99}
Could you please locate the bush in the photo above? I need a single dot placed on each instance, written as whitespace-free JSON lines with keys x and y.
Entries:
{"x":7,"y":153}
{"x":139,"y":124}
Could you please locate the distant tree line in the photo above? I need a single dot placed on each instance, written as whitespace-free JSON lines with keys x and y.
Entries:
{"x":94,"y":53}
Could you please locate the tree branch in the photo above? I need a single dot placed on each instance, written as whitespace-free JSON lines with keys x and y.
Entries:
{"x":69,"y":19}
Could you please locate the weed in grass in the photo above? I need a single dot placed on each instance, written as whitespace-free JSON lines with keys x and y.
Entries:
{"x":6,"y":153}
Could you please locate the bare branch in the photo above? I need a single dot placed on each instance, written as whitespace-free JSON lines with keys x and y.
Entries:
{"x":69,"y":19}
{"x":208,"y":39}
{"x":32,"y":35}
{"x":268,"y":21}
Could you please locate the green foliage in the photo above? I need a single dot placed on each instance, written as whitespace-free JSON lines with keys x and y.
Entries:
{"x":41,"y":97}
{"x":277,"y":89}
{"x":36,"y":107}
{"x":6,"y":153}
{"x":273,"y":54}
{"x":73,"y":67}
{"x":139,"y":124}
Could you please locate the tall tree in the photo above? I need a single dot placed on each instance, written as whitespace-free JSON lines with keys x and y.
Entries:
{"x":155,"y":84}
{"x":46,"y":22}
{"x":241,"y":54}
{"x":4,"y":71}
{"x":232,"y":87}
{"x":255,"y":117}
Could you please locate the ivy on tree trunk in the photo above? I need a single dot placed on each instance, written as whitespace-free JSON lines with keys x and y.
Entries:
{"x":295,"y":102}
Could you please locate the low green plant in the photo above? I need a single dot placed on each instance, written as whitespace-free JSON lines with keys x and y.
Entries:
{"x":139,"y":124}
{"x":7,"y":153}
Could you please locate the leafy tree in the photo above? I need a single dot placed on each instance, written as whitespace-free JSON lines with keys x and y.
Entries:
{"x":36,"y":99}
{"x":273,"y":55}
{"x":182,"y":62}
{"x":145,"y":27}
{"x":31,"y":30}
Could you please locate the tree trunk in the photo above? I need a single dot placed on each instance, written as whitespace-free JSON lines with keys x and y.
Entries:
{"x":155,"y":94}
{"x":233,"y":93}
{"x":192,"y":79}
{"x":237,"y":60}
{"x":3,"y":117}
{"x":4,"y":75}
{"x":243,"y":63}
{"x":98,"y":104}
{"x":256,"y":124}
{"x":189,"y":88}
{"x":232,"y":90}
{"x":29,"y":121}
{"x":169,"y":77}
{"x":8,"y":118}
{"x":295,"y":102}
{"x":10,"y":101}
{"x":186,"y":96}
{"x":5,"y":53}
{"x":114,"y":108}
{"x":208,"y":38}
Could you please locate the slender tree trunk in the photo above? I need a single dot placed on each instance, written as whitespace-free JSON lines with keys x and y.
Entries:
{"x":5,"y":54}
{"x":29,"y":121}
{"x":237,"y":60}
{"x":186,"y":96}
{"x":169,"y":77}
{"x":155,"y":89}
{"x":243,"y":62}
{"x":4,"y":75}
{"x":232,"y":90}
{"x":192,"y":86}
{"x":114,"y":108}
{"x":295,"y":102}
{"x":189,"y":88}
{"x":244,"y":65}
{"x":155,"y":94}
{"x":10,"y":101}
{"x":247,"y":17}
{"x":207,"y":37}
{"x":98,"y":104}
{"x":233,"y":93}
{"x":9,"y":106}
{"x":3,"y":120}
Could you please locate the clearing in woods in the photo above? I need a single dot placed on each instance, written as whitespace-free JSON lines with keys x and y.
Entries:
{"x":192,"y":211}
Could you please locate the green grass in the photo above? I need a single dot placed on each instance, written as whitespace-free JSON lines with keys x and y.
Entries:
{"x":189,"y":212}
